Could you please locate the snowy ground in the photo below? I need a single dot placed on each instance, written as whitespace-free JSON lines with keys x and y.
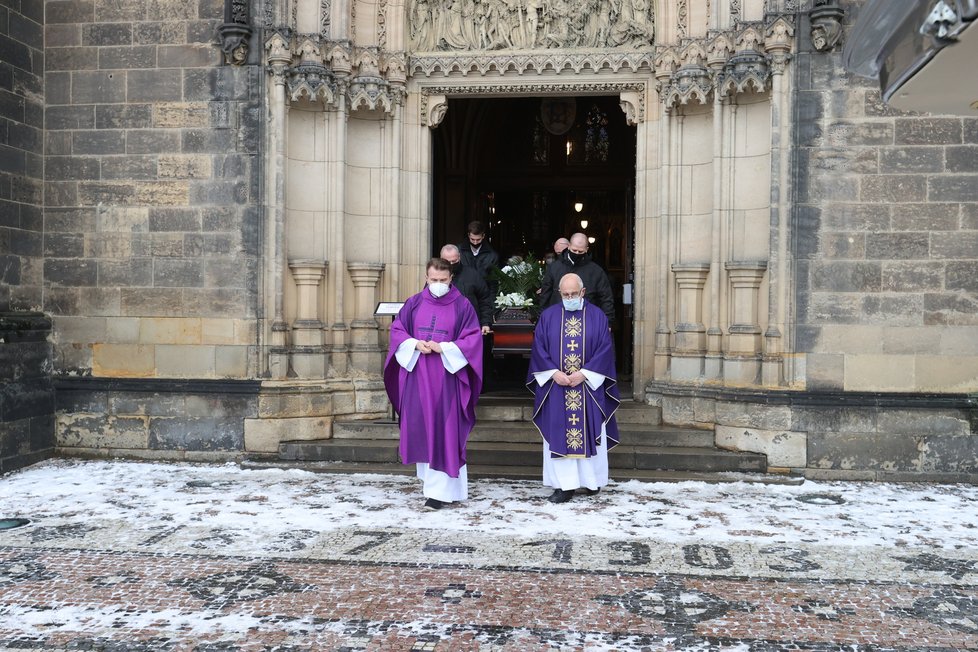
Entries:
{"x":271,"y":502}
{"x":350,"y":543}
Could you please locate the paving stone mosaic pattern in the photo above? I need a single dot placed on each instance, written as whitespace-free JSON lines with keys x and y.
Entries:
{"x":132,"y":556}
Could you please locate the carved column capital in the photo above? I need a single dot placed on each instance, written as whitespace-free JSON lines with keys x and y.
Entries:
{"x":437,"y":108}
{"x":633,"y":104}
{"x":278,"y":57}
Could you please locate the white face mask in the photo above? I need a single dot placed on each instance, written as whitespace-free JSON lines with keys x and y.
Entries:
{"x":573,"y":304}
{"x":438,"y":290}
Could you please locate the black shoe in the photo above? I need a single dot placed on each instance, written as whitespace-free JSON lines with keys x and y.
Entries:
{"x":561,"y":496}
{"x":591,"y":492}
{"x":432,"y":503}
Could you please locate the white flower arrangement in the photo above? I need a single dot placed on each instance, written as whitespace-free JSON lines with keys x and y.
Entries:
{"x":518,"y":282}
{"x":513,"y":300}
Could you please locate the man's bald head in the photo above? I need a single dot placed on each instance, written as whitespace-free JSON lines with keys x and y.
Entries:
{"x":578,"y":243}
{"x":570,"y":284}
{"x":450,"y":253}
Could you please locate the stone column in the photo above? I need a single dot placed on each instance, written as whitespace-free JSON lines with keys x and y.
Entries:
{"x":366,"y":354}
{"x":279,"y":58}
{"x":742,"y":359}
{"x":307,"y":355}
{"x":777,"y":45}
{"x":336,"y":217}
{"x":690,"y":344}
{"x":662,"y":330}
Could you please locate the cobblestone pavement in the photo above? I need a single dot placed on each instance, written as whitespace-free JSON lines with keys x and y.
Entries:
{"x":123,"y":556}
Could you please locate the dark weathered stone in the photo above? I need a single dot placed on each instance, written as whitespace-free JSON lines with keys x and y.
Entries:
{"x":962,"y":159}
{"x":72,"y":58}
{"x":129,"y":167}
{"x":150,"y":141}
{"x":196,"y":433}
{"x":894,"y":309}
{"x":132,"y":272}
{"x":969,"y":216}
{"x":218,"y":84}
{"x":893,"y":188}
{"x":963,"y":187}
{"x":57,"y":88}
{"x":98,"y":142}
{"x":954,"y":245}
{"x":160,"y":32}
{"x":851,"y":246}
{"x":107,"y":34}
{"x":62,"y":35}
{"x":925,"y":217}
{"x":70,"y":117}
{"x":913,"y":276}
{"x":125,"y":116}
{"x":219,"y":192}
{"x":174,"y":219}
{"x":70,"y":272}
{"x":58,"y":143}
{"x":807,"y":222}
{"x":125,"y":57}
{"x":911,"y":159}
{"x":67,"y":168}
{"x":927,"y":131}
{"x":895,"y":246}
{"x":69,"y":11}
{"x":855,"y":217}
{"x":154,"y":86}
{"x":963,"y":275}
{"x":64,"y":245}
{"x":848,"y":134}
{"x":152,"y":302}
{"x":208,"y":140}
{"x":845,"y":276}
{"x":950,"y":310}
{"x":92,"y":87}
{"x":188,"y":56}
{"x":178,"y":273}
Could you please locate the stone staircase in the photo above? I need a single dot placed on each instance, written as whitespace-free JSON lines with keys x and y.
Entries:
{"x":506,"y":444}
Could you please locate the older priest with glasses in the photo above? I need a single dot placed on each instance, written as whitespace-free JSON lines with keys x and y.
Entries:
{"x":572,"y":374}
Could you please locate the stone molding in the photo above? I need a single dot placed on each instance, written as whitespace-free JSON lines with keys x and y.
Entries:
{"x":521,"y":63}
{"x":740,"y":60}
{"x":320,"y":70}
{"x":433,"y":98}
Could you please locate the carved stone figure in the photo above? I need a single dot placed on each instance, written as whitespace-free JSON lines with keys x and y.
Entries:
{"x":530,"y":24}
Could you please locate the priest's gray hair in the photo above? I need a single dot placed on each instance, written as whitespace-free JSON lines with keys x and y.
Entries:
{"x":450,"y":248}
{"x":573,"y":276}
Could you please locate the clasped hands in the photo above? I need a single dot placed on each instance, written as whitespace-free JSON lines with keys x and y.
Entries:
{"x":428,"y":346}
{"x":568,"y":380}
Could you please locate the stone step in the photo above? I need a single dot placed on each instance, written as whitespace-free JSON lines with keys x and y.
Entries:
{"x":673,"y":458}
{"x":478,"y":471}
{"x":526,"y":432}
{"x":521,"y":409}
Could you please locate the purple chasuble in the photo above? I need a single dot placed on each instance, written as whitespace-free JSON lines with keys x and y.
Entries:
{"x":436,"y":408}
{"x":570,"y":418}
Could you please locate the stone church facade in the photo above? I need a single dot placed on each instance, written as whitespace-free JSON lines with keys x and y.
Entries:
{"x":203,"y":202}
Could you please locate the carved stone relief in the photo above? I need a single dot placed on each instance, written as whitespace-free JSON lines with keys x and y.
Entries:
{"x":530,"y":24}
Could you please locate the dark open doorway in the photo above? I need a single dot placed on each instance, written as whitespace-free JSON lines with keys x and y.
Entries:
{"x":533,"y":170}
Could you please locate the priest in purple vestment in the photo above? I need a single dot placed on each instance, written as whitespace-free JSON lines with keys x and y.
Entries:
{"x":572,"y":375}
{"x":433,"y":376}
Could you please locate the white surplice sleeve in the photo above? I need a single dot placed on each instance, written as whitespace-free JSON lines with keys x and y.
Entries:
{"x":452,"y":357}
{"x":407,"y":353}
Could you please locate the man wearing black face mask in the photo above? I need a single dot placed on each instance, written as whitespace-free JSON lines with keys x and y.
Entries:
{"x":478,"y":254}
{"x":575,"y":260}
{"x":467,"y":281}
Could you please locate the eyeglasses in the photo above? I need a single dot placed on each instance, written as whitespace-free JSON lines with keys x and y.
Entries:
{"x":570,"y":295}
